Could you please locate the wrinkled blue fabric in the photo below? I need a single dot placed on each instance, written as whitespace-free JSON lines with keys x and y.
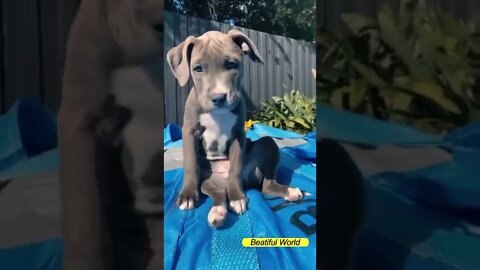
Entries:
{"x":351,"y":127}
{"x":400,"y":233}
{"x":266,"y":217}
{"x":424,"y":194}
{"x":46,"y":255}
{"x":221,"y":248}
{"x":171,"y":135}
{"x":26,"y":130}
{"x":191,"y":244}
{"x":453,"y":184}
{"x":305,"y":151}
{"x":259,"y":130}
{"x":468,"y":136}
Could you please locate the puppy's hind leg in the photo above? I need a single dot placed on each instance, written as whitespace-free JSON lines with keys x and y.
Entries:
{"x":266,"y":167}
{"x":218,"y":212}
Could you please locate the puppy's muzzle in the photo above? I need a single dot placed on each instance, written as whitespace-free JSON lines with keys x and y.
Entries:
{"x":219,"y":99}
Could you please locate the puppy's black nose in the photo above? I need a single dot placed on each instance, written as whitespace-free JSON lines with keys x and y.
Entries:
{"x":219,"y":99}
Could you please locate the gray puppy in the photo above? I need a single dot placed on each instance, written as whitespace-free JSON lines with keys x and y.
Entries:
{"x":217,"y":156}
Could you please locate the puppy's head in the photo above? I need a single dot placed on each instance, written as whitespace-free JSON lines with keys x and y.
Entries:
{"x":136,"y":26}
{"x":214,"y":62}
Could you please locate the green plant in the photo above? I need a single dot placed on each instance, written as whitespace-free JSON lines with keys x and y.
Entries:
{"x":294,"y":112}
{"x":420,"y":67}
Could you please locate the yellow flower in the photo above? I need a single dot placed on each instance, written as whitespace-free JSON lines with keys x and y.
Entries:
{"x":249,"y":123}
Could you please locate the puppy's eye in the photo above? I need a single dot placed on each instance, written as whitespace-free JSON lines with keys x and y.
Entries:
{"x":231,"y":65}
{"x":198,"y":68}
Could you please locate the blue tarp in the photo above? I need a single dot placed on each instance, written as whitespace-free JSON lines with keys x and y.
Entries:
{"x":415,"y":220}
{"x":46,"y":255}
{"x":349,"y":127}
{"x":453,"y":184}
{"x":266,"y":217}
{"x":416,"y":216}
{"x":26,"y":130}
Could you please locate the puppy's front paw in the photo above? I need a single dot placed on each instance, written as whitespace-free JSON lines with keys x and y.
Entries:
{"x":237,"y":198}
{"x":239,"y":206}
{"x":217,"y":216}
{"x":293,"y":194}
{"x":188,"y":198}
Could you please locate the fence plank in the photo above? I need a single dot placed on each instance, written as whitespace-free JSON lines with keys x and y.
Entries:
{"x":21,"y":48}
{"x":170,"y":81}
{"x":50,"y":62}
{"x":287,"y":79}
{"x":3,"y":108}
{"x":262,"y":74}
{"x":181,"y":33}
{"x":253,"y":89}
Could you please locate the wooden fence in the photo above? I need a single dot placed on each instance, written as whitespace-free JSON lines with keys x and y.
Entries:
{"x":288,"y":64}
{"x":32,"y":48}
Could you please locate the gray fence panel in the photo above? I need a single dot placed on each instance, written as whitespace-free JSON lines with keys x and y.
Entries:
{"x":32,"y":49}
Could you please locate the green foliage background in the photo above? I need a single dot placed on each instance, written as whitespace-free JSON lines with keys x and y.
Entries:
{"x":294,"y":112}
{"x":290,"y":18}
{"x":420,"y":67}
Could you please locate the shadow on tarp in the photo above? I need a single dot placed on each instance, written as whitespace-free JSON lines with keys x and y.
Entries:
{"x":191,"y":244}
{"x":415,"y":220}
{"x":26,"y":130}
{"x":346,"y":126}
{"x":46,"y":255}
{"x":402,"y":231}
{"x":400,"y":234}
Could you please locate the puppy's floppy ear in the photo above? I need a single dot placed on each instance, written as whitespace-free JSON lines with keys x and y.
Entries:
{"x":246,"y":45}
{"x":179,"y":60}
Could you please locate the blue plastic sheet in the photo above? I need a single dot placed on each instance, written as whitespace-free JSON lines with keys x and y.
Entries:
{"x":305,"y":152}
{"x":47,"y":161}
{"x":351,"y":127}
{"x":46,"y":255}
{"x":191,"y":244}
{"x":450,"y":185}
{"x":429,"y":191}
{"x":399,"y":233}
{"x":468,"y":136}
{"x":172,"y":136}
{"x":26,"y":130}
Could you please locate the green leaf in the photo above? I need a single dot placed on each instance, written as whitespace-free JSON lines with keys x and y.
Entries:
{"x":301,"y":122}
{"x":277,"y":99}
{"x":393,"y":36}
{"x":428,"y":90}
{"x":358,"y":89}
{"x":336,"y":99}
{"x":368,"y":74}
{"x":357,"y":23}
{"x":290,"y":124}
{"x":401,"y":102}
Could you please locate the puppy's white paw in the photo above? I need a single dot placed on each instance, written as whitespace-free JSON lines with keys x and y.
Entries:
{"x":217,"y":216}
{"x":293,"y":194}
{"x":187,"y":198}
{"x":239,"y":206}
{"x":187,"y":204}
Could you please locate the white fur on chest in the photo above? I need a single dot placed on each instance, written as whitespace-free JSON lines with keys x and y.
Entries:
{"x":218,"y":126}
